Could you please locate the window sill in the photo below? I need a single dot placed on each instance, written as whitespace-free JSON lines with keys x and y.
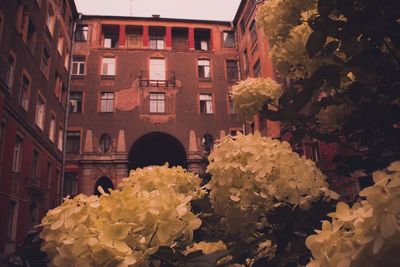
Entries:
{"x":78,"y":76}
{"x":204,"y":79}
{"x":207,"y":114}
{"x":106,"y":112}
{"x":107,"y":77}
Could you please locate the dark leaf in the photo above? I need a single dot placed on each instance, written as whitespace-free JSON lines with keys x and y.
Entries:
{"x":325,"y":7}
{"x":329,"y":73}
{"x":297,"y":136}
{"x":315,"y":42}
{"x":330,"y":48}
{"x":205,"y":260}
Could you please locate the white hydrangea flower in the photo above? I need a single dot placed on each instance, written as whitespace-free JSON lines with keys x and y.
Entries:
{"x":149,"y":209}
{"x":368,"y":233}
{"x":249,"y":96}
{"x":206,"y":247}
{"x":252,"y":174}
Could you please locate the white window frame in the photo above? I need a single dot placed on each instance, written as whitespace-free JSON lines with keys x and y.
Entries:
{"x":106,"y":98}
{"x":108,"y":66}
{"x":40,"y":112}
{"x":78,"y":65}
{"x":17,"y":154}
{"x":207,"y":99}
{"x":157,"y":102}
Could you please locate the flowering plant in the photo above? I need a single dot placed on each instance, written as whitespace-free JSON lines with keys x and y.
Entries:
{"x":251,"y":175}
{"x":368,"y":233}
{"x":123,"y":228}
{"x":249,"y":96}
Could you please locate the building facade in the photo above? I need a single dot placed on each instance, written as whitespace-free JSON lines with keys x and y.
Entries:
{"x":35,"y":48}
{"x":145,"y":91}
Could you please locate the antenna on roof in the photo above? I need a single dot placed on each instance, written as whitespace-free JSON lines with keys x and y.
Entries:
{"x":130,"y":13}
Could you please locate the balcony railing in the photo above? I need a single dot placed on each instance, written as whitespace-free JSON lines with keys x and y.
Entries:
{"x":180,"y":44}
{"x":145,"y":81}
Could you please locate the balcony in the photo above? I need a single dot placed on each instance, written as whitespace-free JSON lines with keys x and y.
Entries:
{"x":147,"y":80}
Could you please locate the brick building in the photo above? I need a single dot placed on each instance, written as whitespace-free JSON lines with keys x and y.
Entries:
{"x":35,"y":45}
{"x":145,"y":91}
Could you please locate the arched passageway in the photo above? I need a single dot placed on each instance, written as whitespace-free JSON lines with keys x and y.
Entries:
{"x":156,"y":148}
{"x":105,"y":183}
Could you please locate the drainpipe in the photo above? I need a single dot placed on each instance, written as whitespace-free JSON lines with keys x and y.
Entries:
{"x":240,"y":64}
{"x":67,"y":109}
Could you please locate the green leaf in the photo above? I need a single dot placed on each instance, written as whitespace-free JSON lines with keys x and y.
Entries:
{"x":315,"y":42}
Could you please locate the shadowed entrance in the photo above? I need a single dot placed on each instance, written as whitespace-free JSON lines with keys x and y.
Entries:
{"x":105,"y":183}
{"x":155,"y":149}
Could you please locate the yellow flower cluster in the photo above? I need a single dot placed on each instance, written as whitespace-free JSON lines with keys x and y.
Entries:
{"x":206,"y":247}
{"x":252,"y":174}
{"x":368,"y":233}
{"x":149,"y":209}
{"x":249,"y":96}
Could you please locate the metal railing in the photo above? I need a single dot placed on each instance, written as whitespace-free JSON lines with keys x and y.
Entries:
{"x":145,"y":81}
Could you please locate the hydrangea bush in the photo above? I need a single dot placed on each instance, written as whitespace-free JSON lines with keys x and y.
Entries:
{"x":250,"y":96}
{"x":368,"y":233}
{"x":149,"y":209}
{"x":252,"y":174}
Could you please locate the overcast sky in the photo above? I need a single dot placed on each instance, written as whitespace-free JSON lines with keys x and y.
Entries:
{"x":188,"y":9}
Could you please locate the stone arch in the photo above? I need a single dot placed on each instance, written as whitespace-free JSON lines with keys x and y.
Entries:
{"x":157,"y":148}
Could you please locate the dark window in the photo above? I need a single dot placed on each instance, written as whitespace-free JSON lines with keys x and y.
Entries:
{"x":24,"y":97}
{"x":228,"y":38}
{"x":180,"y":39}
{"x":35,"y":165}
{"x":16,"y":167}
{"x":207,"y":142}
{"x":257,"y":69}
{"x":253,"y":32}
{"x":110,"y":36}
{"x":10,"y":72}
{"x":70,"y":184}
{"x":156,"y":40}
{"x":232,"y":70}
{"x":73,"y":142}
{"x":133,"y":37}
{"x":206,"y":104}
{"x":105,"y":143}
{"x":75,"y":102}
{"x":203,"y":66}
{"x":81,"y":33}
{"x":232,"y":109}
{"x":45,"y":64}
{"x":107,"y":102}
{"x":78,"y":65}
{"x":202,"y":39}
{"x":157,"y":102}
{"x":242,"y":26}
{"x":10,"y":220}
{"x":49,"y":174}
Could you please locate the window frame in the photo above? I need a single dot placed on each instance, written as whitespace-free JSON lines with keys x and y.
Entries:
{"x":17,"y":154}
{"x":76,"y":142}
{"x":201,"y":69}
{"x":10,"y":72}
{"x":79,"y":101}
{"x":208,"y":104}
{"x":40,"y":112}
{"x":230,"y":70}
{"x":224,"y":39}
{"x":106,"y":102}
{"x":78,"y":63}
{"x":157,"y":105}
{"x":81,"y":32}
{"x":25,"y":94}
{"x":52,"y":127}
{"x":109,"y":73}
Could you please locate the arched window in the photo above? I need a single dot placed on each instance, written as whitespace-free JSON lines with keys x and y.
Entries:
{"x":207,"y":142}
{"x":105,"y":143}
